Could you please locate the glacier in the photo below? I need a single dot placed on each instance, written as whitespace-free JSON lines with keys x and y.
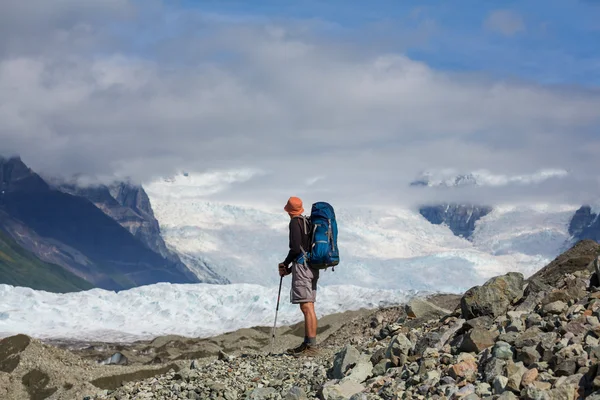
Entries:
{"x":392,"y":248}
{"x":193,"y":310}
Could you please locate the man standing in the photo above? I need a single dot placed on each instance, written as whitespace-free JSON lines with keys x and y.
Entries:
{"x":304,"y":278}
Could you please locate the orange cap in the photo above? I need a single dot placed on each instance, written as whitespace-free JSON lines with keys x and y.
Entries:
{"x":294,"y":206}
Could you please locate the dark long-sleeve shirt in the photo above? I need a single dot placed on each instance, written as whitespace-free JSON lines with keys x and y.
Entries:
{"x":298,"y":238}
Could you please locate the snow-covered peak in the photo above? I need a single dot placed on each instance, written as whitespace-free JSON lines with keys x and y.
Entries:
{"x":452,"y":178}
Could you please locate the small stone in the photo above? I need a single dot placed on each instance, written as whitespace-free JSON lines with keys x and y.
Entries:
{"x":502,"y":350}
{"x":432,"y":377}
{"x":296,"y":393}
{"x":483,"y":389}
{"x":556,"y":307}
{"x":382,"y":366}
{"x":464,"y":369}
{"x":507,"y":396}
{"x":564,"y":392}
{"x":529,"y":377}
{"x":399,"y":345}
{"x":566,"y":368}
{"x":499,"y":384}
{"x":344,"y":390}
{"x":477,"y":340}
{"x":493,"y":368}
{"x":542,"y":385}
{"x":528,"y":355}
{"x":531,"y":337}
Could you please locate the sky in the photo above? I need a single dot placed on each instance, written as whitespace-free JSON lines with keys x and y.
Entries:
{"x":344,"y":101}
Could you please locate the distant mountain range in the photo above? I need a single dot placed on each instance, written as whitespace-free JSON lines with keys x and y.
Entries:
{"x":102,"y":236}
{"x":462,"y":218}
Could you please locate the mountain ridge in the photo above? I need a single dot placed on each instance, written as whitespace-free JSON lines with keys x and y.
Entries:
{"x":79,"y":236}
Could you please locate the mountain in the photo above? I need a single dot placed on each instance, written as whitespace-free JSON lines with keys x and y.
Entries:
{"x":459,"y":218}
{"x":130,"y":206}
{"x":19,"y":267}
{"x":585,"y":224}
{"x":74,"y":233}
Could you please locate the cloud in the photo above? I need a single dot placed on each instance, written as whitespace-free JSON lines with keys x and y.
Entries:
{"x":206,"y":94}
{"x":505,"y":22}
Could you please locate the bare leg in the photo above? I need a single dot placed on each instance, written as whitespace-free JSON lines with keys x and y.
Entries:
{"x":310,"y":319}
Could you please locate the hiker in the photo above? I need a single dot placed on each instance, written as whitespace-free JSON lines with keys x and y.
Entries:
{"x":304,"y":278}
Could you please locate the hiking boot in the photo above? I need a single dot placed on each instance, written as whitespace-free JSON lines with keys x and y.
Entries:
{"x":298,"y":349}
{"x":308,"y":351}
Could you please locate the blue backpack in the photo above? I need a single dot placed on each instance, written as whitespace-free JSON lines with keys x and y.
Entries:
{"x":323,"y":232}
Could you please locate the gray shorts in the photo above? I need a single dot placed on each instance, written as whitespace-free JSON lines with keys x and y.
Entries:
{"x":304,"y":284}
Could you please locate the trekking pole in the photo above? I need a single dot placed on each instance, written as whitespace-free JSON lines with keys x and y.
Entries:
{"x":276,"y":312}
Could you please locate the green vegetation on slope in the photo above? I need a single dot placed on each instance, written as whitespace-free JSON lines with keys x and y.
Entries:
{"x":19,"y":267}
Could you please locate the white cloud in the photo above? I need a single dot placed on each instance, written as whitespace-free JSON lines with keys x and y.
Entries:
{"x":270,"y":98}
{"x":506,"y":22}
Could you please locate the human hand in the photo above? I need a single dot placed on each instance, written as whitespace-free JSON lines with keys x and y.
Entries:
{"x":283,"y":270}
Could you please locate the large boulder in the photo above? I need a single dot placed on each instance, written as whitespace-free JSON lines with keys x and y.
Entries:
{"x":344,"y":360}
{"x":494,"y":297}
{"x":424,"y":310}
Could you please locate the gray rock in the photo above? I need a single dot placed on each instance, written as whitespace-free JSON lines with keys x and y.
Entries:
{"x":428,"y":340}
{"x":533,"y":393}
{"x":484,"y":322}
{"x":477,"y":340}
{"x":262,"y":393}
{"x":344,"y":390}
{"x":509,"y":337}
{"x":449,"y":333}
{"x":494,"y":297}
{"x":531,"y":337}
{"x":502,"y":350}
{"x":556,"y":307}
{"x":296,"y":393}
{"x":528,"y":355}
{"x":399,"y":345}
{"x":507,"y":396}
{"x":423,"y":309}
{"x":382,"y":366}
{"x":362,"y":371}
{"x":483,"y":389}
{"x":493,"y":368}
{"x":533,"y":319}
{"x":565,"y":367}
{"x":344,"y":360}
{"x":499,"y":384}
{"x":432,"y":377}
{"x":564,"y":392}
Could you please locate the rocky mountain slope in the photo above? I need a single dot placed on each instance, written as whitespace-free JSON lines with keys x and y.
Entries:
{"x":509,"y":338}
{"x":20,"y":267}
{"x":585,"y":224}
{"x":71,"y":232}
{"x":460,"y":218}
{"x":130,"y":206}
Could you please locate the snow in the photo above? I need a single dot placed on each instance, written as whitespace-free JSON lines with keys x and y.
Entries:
{"x":483,"y":177}
{"x":194,"y":310}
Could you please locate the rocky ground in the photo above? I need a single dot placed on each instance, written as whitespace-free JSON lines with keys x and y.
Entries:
{"x":510,"y":338}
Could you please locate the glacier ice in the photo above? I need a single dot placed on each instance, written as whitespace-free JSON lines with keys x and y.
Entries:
{"x":193,"y":310}
{"x":379,"y":248}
